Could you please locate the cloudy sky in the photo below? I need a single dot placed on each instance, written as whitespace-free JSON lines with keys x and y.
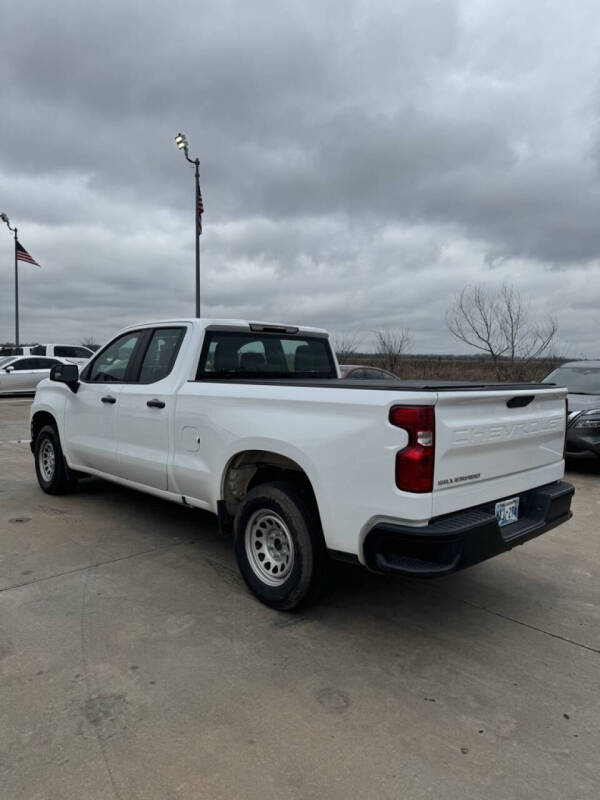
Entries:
{"x":361,"y":162}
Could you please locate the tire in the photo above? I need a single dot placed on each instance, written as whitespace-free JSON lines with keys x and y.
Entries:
{"x":279,"y":546}
{"x":53,"y":474}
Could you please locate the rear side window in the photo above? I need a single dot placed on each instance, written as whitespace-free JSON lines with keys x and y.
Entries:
{"x":232,"y":354}
{"x":66,"y":351}
{"x":26,"y":363}
{"x":80,"y":352}
{"x":161,"y":354}
{"x":46,"y":363}
{"x":112,"y":363}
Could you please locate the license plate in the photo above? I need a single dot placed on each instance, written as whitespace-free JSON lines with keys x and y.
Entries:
{"x":507,"y":511}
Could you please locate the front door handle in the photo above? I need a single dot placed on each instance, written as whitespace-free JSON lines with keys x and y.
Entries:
{"x":155,"y":403}
{"x":108,"y":398}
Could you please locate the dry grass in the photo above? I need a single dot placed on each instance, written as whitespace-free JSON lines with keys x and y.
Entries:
{"x":449,"y":369}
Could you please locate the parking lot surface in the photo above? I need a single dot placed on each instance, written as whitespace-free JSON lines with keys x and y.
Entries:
{"x":134,"y":663}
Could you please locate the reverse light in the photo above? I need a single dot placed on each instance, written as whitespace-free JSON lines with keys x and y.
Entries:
{"x":414,"y":464}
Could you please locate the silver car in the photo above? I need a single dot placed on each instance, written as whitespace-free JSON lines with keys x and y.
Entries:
{"x":21,"y":374}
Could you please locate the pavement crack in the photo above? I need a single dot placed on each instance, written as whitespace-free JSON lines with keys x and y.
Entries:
{"x":91,"y":566}
{"x":531,"y":627}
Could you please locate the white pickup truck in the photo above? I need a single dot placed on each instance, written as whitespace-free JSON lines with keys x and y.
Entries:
{"x":252,"y":422}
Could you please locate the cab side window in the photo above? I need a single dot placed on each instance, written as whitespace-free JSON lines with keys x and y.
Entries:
{"x":111,"y":365}
{"x":161,"y":354}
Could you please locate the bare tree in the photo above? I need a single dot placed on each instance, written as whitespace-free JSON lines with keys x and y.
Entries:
{"x":391,"y":346}
{"x":344,"y":346}
{"x":89,"y":341}
{"x":499,"y":323}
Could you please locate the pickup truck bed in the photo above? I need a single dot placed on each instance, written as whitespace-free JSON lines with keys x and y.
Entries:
{"x":416,"y":477}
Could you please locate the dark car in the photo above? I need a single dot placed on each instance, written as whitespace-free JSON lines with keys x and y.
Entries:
{"x":360,"y":372}
{"x":582,"y":379}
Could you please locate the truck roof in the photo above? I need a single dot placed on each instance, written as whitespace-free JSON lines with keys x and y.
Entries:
{"x":241,"y":323}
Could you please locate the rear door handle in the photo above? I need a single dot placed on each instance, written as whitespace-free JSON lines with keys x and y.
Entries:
{"x":108,"y":398}
{"x":155,"y":403}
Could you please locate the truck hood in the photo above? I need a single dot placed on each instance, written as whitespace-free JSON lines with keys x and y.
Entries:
{"x":583,"y":402}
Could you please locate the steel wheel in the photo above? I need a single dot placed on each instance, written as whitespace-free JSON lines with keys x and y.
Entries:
{"x":269,"y":547}
{"x":47,"y":460}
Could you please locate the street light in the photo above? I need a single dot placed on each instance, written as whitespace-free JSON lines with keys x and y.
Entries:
{"x":4,"y":218}
{"x":182,"y":144}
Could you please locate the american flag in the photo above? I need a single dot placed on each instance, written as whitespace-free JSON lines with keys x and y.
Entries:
{"x":200,"y":210}
{"x":23,"y":255}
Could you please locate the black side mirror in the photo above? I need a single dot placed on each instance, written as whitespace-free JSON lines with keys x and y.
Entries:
{"x":66,"y":373}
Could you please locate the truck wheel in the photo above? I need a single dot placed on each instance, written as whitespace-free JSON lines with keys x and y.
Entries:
{"x":51,"y":469}
{"x":279,"y":546}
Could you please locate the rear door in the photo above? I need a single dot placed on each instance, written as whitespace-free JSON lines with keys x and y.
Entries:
{"x":493,"y":441}
{"x":145,"y":407}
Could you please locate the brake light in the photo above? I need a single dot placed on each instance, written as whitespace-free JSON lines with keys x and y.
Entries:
{"x":566,"y":427}
{"x":414,"y":464}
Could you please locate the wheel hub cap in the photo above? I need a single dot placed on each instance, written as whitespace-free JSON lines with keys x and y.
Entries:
{"x":269,"y":547}
{"x":47,"y":460}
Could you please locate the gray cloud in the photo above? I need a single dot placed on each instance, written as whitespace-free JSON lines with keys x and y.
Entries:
{"x":360,"y":162}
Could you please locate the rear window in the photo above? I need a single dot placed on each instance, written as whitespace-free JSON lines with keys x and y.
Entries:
{"x":232,"y":354}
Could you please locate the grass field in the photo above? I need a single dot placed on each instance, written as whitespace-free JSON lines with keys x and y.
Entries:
{"x":454,"y":369}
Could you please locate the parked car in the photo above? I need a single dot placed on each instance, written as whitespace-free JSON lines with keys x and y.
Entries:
{"x":360,"y":372}
{"x":13,"y":350}
{"x":251,"y":422}
{"x":76,"y":354}
{"x":21,"y":374}
{"x":582,"y":379}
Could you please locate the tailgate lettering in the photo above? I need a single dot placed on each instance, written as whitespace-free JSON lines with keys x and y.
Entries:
{"x":478,"y":434}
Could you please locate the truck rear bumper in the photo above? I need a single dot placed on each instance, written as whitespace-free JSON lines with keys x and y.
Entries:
{"x":459,"y":540}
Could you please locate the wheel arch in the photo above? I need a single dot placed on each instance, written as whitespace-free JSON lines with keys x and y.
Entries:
{"x":247,"y":469}
{"x":39,"y":420}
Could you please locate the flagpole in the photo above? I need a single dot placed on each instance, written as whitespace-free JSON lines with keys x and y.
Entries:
{"x":197,"y":163}
{"x":16,"y":293}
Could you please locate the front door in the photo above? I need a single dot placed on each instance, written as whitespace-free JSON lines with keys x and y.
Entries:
{"x":91,"y":413}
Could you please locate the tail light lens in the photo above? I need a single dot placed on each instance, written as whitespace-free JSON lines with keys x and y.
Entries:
{"x":566,"y":427}
{"x":414,"y":464}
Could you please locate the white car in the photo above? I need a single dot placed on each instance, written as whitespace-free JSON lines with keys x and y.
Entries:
{"x":252,"y":422}
{"x":21,"y":374}
{"x":76,"y":354}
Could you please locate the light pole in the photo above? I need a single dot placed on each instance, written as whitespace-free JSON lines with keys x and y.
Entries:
{"x":5,"y":218}
{"x":182,"y":143}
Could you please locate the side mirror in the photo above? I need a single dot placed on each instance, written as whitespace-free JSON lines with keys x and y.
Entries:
{"x":10,"y":368}
{"x":66,"y":373}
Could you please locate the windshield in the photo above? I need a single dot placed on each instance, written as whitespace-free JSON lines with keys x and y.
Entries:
{"x":6,"y":360}
{"x":578,"y":380}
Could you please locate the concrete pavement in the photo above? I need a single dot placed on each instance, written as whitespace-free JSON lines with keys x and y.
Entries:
{"x":134,"y":663}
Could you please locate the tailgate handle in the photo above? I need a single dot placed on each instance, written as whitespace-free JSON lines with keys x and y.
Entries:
{"x":520,"y":401}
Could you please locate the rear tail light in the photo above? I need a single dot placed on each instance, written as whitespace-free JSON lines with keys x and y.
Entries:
{"x":414,"y":464}
{"x":566,"y":427}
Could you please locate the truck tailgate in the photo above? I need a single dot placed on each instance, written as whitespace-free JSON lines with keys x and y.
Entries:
{"x":487,"y":443}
